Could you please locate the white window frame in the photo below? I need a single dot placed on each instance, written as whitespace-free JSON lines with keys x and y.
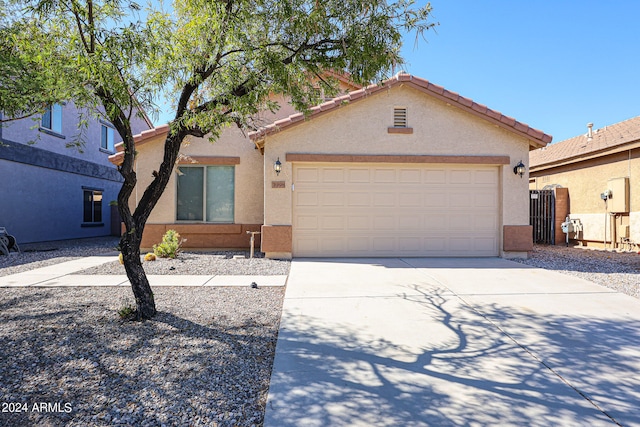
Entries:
{"x":106,"y":129}
{"x":51,"y":119}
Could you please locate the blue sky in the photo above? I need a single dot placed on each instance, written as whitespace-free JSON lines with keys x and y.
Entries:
{"x":555,"y":65}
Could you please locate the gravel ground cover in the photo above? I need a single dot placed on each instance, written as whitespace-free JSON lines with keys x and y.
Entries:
{"x":36,"y":255}
{"x":66,"y":359}
{"x":208,"y":263}
{"x":616,"y":270}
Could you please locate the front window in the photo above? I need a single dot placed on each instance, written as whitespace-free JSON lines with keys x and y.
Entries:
{"x":92,"y":206}
{"x":206,"y":193}
{"x":106,"y":140}
{"x":52,"y":118}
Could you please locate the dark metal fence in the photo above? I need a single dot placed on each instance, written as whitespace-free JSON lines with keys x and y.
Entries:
{"x":542,"y":208}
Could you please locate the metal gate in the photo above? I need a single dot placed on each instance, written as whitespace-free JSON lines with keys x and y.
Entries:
{"x":542,"y":209}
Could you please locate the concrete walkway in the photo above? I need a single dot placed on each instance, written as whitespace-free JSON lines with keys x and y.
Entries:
{"x":426,"y":342}
{"x":62,"y":275}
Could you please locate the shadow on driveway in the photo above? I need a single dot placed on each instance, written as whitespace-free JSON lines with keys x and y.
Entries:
{"x":374,"y":351}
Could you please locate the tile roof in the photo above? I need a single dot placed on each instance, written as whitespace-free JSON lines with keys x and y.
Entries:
{"x":536,"y":137}
{"x":575,"y":149}
{"x":139,"y":139}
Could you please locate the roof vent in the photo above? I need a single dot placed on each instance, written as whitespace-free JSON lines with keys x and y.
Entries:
{"x":400,"y":117}
{"x":589,"y":131}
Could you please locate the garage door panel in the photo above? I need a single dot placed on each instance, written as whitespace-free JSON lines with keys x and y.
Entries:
{"x":436,"y":198}
{"x":460,"y":177}
{"x":410,"y":176}
{"x":359,"y":199}
{"x":332,"y":245}
{"x":395,"y":210}
{"x":410,"y":244}
{"x":460,"y":200}
{"x":332,"y":175}
{"x":332,"y":222}
{"x":485,"y":223}
{"x":460,"y":243}
{"x":307,"y":174}
{"x":435,"y":177}
{"x":332,"y":198}
{"x":358,"y":244}
{"x":410,"y":222}
{"x":384,"y":244}
{"x":307,"y":198}
{"x":307,"y":222}
{"x":386,"y":222}
{"x":458,"y":219}
{"x":359,"y":176}
{"x":486,"y":177}
{"x":384,"y":176}
{"x":484,"y":244}
{"x":386,"y":199}
{"x":412,"y":199}
{"x":485,"y":199}
{"x":306,"y":246}
{"x":435,"y":223}
{"x":358,"y":222}
{"x":435,"y":244}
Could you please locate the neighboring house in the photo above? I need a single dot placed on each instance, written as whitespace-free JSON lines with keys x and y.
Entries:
{"x":601,"y":170}
{"x":52,"y":191}
{"x":404,"y":168}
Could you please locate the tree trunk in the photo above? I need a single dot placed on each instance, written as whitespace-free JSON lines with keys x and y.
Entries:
{"x":130,"y":248}
{"x":134,"y":223}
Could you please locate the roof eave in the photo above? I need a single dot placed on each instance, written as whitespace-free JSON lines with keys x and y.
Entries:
{"x":537,"y":139}
{"x":631,"y":145}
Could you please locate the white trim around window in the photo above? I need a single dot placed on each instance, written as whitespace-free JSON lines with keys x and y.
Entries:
{"x":107,"y":135}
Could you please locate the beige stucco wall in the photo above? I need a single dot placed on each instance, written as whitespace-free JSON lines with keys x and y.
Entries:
{"x":361,"y":128}
{"x":232,"y":143}
{"x":586,"y":180}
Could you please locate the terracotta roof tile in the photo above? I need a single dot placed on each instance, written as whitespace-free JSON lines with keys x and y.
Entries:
{"x":139,"y":139}
{"x":536,"y":137}
{"x":435,"y":88}
{"x":572,"y":149}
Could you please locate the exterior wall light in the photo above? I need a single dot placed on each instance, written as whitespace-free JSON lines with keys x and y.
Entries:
{"x":519,"y":169}
{"x":277,"y":166}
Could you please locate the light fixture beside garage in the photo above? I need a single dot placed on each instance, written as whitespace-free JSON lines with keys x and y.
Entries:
{"x":277,"y":166}
{"x":519,"y":169}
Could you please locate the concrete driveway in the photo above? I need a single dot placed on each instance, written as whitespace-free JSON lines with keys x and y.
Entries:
{"x":417,"y":342}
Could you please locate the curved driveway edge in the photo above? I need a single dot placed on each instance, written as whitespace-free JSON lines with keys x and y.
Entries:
{"x":426,"y":341}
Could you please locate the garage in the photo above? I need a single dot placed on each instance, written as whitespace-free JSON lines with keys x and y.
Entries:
{"x":401,"y":169}
{"x":377,"y":210}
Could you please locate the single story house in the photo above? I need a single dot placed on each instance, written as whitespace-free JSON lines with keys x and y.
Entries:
{"x":402,"y":168}
{"x":600,"y":169}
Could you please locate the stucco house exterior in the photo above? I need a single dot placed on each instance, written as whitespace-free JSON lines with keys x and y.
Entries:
{"x":601,"y":172}
{"x":403,"y":168}
{"x":54,"y":192}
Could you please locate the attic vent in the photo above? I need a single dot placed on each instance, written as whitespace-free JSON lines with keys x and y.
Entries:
{"x":400,"y":117}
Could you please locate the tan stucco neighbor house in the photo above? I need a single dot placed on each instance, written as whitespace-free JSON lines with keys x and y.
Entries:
{"x":601,"y":171}
{"x":402,"y":168}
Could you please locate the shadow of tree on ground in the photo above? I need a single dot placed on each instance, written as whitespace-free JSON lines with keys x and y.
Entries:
{"x":204,"y":360}
{"x":457,"y":366}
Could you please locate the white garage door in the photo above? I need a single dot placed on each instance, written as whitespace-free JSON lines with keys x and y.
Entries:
{"x":395,"y":210}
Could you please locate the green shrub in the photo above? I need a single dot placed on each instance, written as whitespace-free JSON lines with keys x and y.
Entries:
{"x":127,"y":311}
{"x":170,"y":246}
